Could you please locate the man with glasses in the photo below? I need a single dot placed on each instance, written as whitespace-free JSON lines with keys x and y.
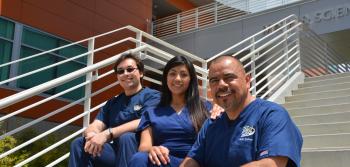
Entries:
{"x":110,"y":139}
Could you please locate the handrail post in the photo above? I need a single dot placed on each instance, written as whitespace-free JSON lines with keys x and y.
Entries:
{"x":178,"y":23}
{"x":215,"y":12}
{"x":87,"y":102}
{"x":298,"y":46}
{"x":139,"y":43}
{"x":247,"y":5}
{"x":204,"y":81}
{"x":252,"y":66}
{"x":285,"y":46}
{"x":326,"y":65}
{"x":196,"y":18}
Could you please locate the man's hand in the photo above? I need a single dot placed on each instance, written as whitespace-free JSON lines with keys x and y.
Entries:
{"x":89,"y":135}
{"x":216,"y":111}
{"x":158,"y":155}
{"x":94,"y":143}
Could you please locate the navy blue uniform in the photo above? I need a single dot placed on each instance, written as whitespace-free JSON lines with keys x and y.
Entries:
{"x":169,"y":129}
{"x":117,"y":111}
{"x":263,"y":129}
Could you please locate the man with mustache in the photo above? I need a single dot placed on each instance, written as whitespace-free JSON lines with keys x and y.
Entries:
{"x":251,"y":132}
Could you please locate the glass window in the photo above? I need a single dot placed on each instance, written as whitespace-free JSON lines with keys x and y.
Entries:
{"x":5,"y":55}
{"x":38,"y":40}
{"x":33,"y":64}
{"x":6,"y":29}
{"x":69,"y":67}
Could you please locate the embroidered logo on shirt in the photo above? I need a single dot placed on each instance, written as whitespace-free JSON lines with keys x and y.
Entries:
{"x":247,"y":131}
{"x":137,"y":107}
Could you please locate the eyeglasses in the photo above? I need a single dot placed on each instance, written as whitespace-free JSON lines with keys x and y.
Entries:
{"x":121,"y":71}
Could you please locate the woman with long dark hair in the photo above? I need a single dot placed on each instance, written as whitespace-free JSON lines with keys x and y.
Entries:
{"x":168,"y":131}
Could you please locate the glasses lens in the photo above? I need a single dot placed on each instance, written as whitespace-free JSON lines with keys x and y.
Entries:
{"x":129,"y":70}
{"x":120,"y":71}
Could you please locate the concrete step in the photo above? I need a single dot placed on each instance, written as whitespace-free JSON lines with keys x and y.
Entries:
{"x":325,"y":77}
{"x":330,"y":81}
{"x":316,"y":89}
{"x":325,"y":128}
{"x":325,"y":141}
{"x":322,"y":109}
{"x":324,"y":118}
{"x":325,"y":158}
{"x":318,"y":95}
{"x":318,"y":102}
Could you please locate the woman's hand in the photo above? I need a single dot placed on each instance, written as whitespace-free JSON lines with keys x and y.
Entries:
{"x":158,"y":155}
{"x":216,"y":111}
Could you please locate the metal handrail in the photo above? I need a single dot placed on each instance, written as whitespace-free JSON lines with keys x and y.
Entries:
{"x":262,"y":52}
{"x":218,"y":11}
{"x":270,"y":68}
{"x":91,"y":69}
{"x":318,"y":58}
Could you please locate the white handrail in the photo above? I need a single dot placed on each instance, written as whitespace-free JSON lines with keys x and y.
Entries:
{"x":213,"y":13}
{"x":266,"y":61}
{"x":249,"y":38}
{"x":58,"y":81}
{"x":50,"y":148}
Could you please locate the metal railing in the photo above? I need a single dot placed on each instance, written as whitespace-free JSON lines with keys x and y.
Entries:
{"x":270,"y":56}
{"x":210,"y":14}
{"x":95,"y":72}
{"x":318,"y":58}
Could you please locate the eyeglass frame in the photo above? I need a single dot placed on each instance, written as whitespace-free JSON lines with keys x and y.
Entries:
{"x":121,"y":71}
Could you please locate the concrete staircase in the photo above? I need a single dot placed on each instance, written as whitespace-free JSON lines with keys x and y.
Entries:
{"x":321,"y":109}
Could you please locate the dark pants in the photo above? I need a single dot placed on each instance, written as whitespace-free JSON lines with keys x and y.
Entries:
{"x":141,"y":159}
{"x":113,"y":155}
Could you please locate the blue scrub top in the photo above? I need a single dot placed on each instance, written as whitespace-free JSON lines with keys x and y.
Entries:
{"x":263,"y":129}
{"x":171,"y":130}
{"x":123,"y":109}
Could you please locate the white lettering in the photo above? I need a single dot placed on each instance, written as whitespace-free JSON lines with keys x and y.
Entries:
{"x":327,"y":14}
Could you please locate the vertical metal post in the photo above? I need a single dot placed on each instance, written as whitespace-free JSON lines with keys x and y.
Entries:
{"x":16,"y":48}
{"x":87,"y":102}
{"x":215,"y":12}
{"x":204,"y":81}
{"x":252,"y":66}
{"x":151,"y":26}
{"x":325,"y":60}
{"x":196,"y":18}
{"x":139,"y":43}
{"x":298,"y":46}
{"x":285,"y":46}
{"x":178,"y":23}
{"x":247,"y":5}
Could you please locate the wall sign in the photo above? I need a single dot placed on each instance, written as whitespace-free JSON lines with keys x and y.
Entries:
{"x":327,"y":14}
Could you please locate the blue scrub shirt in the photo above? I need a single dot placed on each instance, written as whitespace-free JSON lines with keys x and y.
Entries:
{"x":263,"y":129}
{"x":123,"y":109}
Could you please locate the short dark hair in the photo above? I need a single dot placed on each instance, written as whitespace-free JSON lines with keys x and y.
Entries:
{"x":195,"y":105}
{"x":228,"y":56}
{"x":139,"y":63}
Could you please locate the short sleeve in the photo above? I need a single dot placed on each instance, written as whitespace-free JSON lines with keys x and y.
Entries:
{"x":151,"y":101}
{"x":144,"y":122}
{"x":280,"y":137}
{"x":103,"y":115}
{"x":208,"y":105}
{"x":197,"y":151}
